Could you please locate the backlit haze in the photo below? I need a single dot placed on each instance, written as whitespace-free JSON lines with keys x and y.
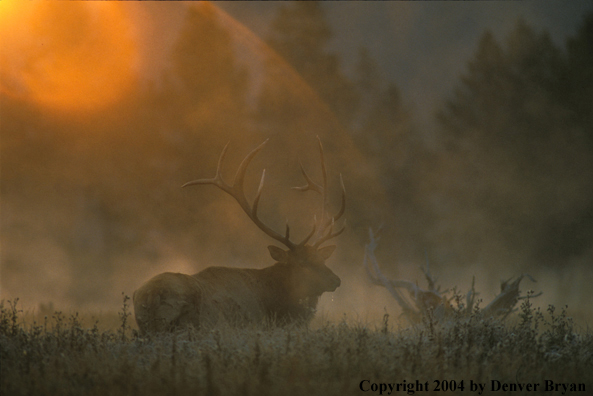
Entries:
{"x":107,"y":108}
{"x":68,"y":57}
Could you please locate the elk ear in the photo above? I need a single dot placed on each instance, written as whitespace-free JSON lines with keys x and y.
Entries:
{"x":326,"y":252}
{"x":278,"y":254}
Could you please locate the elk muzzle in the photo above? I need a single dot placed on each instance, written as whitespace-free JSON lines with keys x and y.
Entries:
{"x":333,"y":282}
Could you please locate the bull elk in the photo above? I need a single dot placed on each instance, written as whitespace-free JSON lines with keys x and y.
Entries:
{"x":284,"y":293}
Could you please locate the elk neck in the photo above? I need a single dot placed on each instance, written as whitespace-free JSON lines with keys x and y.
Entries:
{"x":283,"y":299}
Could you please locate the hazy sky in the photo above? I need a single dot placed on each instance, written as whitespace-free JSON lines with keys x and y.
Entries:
{"x":423,"y":46}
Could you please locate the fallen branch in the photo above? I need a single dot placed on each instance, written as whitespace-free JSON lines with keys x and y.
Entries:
{"x":422,"y":303}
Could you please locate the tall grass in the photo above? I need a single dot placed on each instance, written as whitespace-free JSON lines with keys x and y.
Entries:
{"x":62,"y":357}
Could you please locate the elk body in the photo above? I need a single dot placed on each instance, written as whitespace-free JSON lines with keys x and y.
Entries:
{"x":284,"y":293}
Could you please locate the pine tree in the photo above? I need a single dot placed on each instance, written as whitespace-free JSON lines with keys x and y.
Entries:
{"x":516,"y":138}
{"x":301,"y":34}
{"x":580,"y":77}
{"x":205,"y":91}
{"x":508,"y":97}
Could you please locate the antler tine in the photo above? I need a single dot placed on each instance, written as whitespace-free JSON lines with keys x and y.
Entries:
{"x":329,"y":235}
{"x":258,"y":195}
{"x":324,"y":173}
{"x":220,"y":160}
{"x":311,"y":185}
{"x":325,"y":220}
{"x":237,"y":192}
{"x":331,"y":221}
{"x":343,"y":205}
{"x":217,"y":179}
{"x":240,"y":175}
{"x":304,"y":241}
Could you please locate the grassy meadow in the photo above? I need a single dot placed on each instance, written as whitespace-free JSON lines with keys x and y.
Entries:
{"x":534,"y":352}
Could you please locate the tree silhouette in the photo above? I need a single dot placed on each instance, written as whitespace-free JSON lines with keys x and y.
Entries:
{"x":580,"y":77}
{"x":371,"y":109}
{"x":508,"y":97}
{"x":516,"y":139}
{"x":300,"y":33}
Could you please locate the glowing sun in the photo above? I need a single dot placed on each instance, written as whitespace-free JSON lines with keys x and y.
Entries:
{"x":66,"y":56}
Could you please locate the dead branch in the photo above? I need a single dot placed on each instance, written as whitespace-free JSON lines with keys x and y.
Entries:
{"x":422,"y":303}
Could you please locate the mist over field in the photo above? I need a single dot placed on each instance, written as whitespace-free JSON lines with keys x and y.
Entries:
{"x":478,"y":159}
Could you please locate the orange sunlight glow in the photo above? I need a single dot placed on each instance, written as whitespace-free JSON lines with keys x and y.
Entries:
{"x":66,"y":56}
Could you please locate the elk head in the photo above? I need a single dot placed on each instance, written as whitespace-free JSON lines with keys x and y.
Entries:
{"x":302,"y":263}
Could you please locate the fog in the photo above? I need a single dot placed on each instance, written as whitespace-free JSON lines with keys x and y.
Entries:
{"x":92,"y":204}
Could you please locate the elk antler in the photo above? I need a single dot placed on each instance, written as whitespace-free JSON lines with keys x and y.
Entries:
{"x":236,"y":191}
{"x":327,"y":222}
